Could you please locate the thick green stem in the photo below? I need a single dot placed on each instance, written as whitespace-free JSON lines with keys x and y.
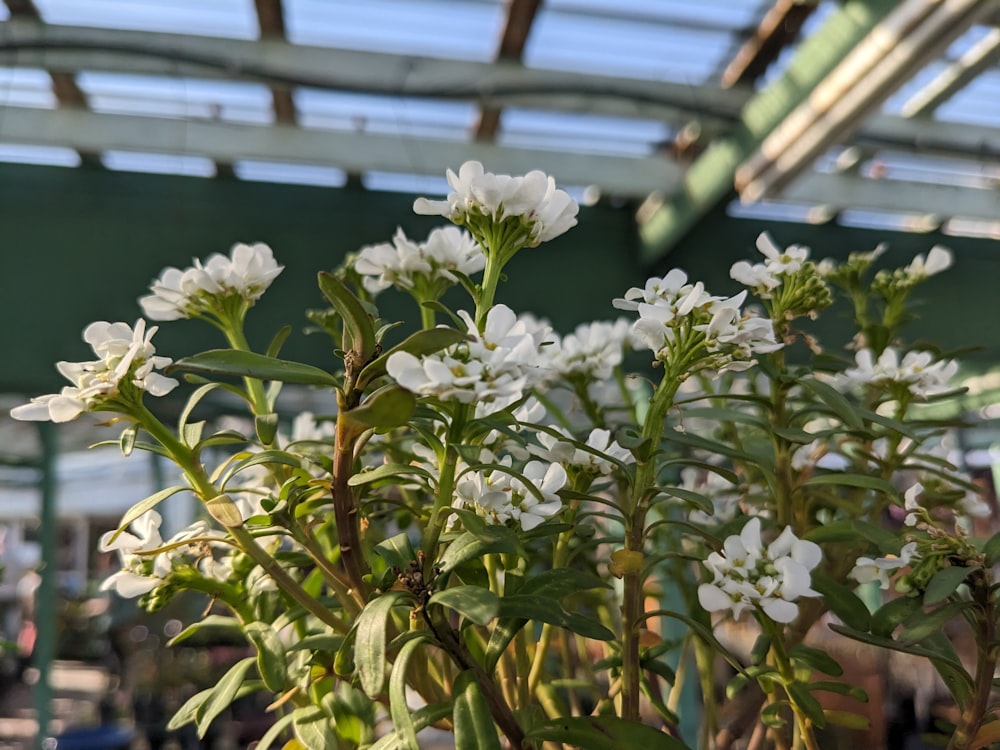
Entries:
{"x":974,"y":715}
{"x":259,"y":402}
{"x":345,"y":506}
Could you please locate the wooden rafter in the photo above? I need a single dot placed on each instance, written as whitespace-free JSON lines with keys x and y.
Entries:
{"x":779,"y":28}
{"x":271,"y":18}
{"x":520,"y":17}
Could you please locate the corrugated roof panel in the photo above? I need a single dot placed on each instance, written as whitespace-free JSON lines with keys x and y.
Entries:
{"x":385,"y":114}
{"x":397,"y":182}
{"x":26,"y":87}
{"x":226,"y":18}
{"x":291,"y":174}
{"x":134,"y":161}
{"x":230,"y":101}
{"x":50,"y":156}
{"x":978,"y":103}
{"x":580,"y":132}
{"x":459,"y":29}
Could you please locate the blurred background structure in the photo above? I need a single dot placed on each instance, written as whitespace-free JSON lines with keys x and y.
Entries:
{"x":136,"y":134}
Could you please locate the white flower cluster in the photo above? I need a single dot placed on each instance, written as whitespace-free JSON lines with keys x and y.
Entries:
{"x":144,"y":567}
{"x":918,"y":371}
{"x":595,"y":458}
{"x":938,"y":259}
{"x":763,"y":278}
{"x":492,"y":370}
{"x":747,"y":575}
{"x":867,"y":569}
{"x":593,"y":350}
{"x":671,"y":305}
{"x":246,"y":274}
{"x":404,"y":263}
{"x":545,"y":210}
{"x":124,"y":354}
{"x":500,"y":497}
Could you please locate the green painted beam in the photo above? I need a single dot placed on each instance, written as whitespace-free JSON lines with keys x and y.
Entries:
{"x":44,"y":652}
{"x":710,"y":179}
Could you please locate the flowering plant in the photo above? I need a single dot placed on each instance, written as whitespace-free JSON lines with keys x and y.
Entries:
{"x":492,"y":531}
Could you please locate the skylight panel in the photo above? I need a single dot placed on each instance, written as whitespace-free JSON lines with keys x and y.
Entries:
{"x":153,"y":163}
{"x":579,"y":132}
{"x":719,"y":13}
{"x":290,"y":174}
{"x":896,"y":221}
{"x":26,"y":87}
{"x":455,"y":29}
{"x":50,"y":156}
{"x":385,"y":114}
{"x":978,"y":103}
{"x":624,"y":48}
{"x":230,"y":101}
{"x":933,"y":170}
{"x":228,"y":18}
{"x":778,"y":210}
{"x":398,"y":182}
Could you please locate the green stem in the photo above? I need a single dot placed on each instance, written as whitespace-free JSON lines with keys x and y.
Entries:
{"x":259,"y":402}
{"x":975,"y":712}
{"x":804,"y":733}
{"x":445,"y":490}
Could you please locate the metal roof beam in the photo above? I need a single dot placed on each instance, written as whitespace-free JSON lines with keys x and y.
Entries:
{"x":353,"y":152}
{"x":778,"y":28}
{"x":977,"y":59}
{"x":24,"y":43}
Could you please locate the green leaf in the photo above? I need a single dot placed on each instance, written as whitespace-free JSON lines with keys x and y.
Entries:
{"x":143,"y":506}
{"x":696,"y":499}
{"x":422,"y":718}
{"x":603,"y":733}
{"x":558,"y":583}
{"x":357,"y":322}
{"x":261,"y":457}
{"x":270,"y":655}
{"x":545,"y":609}
{"x":806,"y":702}
{"x":238,"y":363}
{"x":278,"y":341}
{"x":891,"y":615}
{"x":273,"y":732}
{"x":191,"y":433}
{"x":477,"y":604}
{"x":922,"y":624}
{"x":211,"y":621}
{"x":266,"y":427}
{"x":389,"y":406}
{"x":396,"y":551}
{"x":419,"y":344}
{"x":771,"y":715}
{"x":944,"y":583}
{"x":369,"y":646}
{"x":840,"y":688}
{"x":852,"y":531}
{"x":992,"y":550}
{"x":847,"y":479}
{"x":842,"y":601}
{"x":474,"y":727}
{"x":313,"y":728}
{"x":389,"y":473}
{"x":399,"y":710}
{"x":835,"y":400}
{"x":816,"y":659}
{"x":222,"y":695}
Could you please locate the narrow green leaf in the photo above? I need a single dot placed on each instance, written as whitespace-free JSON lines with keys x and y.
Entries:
{"x":992,"y":550}
{"x":389,"y":406}
{"x":278,"y":341}
{"x":389,"y":473}
{"x":922,"y":623}
{"x":771,"y":715}
{"x":222,"y":695}
{"x":544,"y":609}
{"x":273,"y":732}
{"x":211,"y":621}
{"x":396,"y":550}
{"x":270,"y":655}
{"x":369,"y":646}
{"x":283,"y":458}
{"x":422,"y":718}
{"x":603,"y":733}
{"x":419,"y":344}
{"x":817,"y":659}
{"x":144,"y":506}
{"x":892,"y":614}
{"x":558,"y":583}
{"x":847,"y":479}
{"x":695,"y":499}
{"x":193,"y":400}
{"x":842,"y":601}
{"x":238,"y":363}
{"x":944,"y":583}
{"x":852,"y":531}
{"x":266,"y":427}
{"x":191,"y":433}
{"x":474,"y":727}
{"x":840,"y":688}
{"x":835,"y":400}
{"x":806,"y":702}
{"x":357,"y":321}
{"x":399,"y":710}
{"x":313,"y":728}
{"x":477,"y":604}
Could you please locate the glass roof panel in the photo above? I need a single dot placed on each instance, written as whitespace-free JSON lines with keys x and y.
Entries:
{"x":292,"y":174}
{"x":978,"y":103}
{"x":722,"y":14}
{"x":134,"y":161}
{"x":26,"y":87}
{"x":226,"y":18}
{"x":397,"y":182}
{"x":52,"y":156}
{"x":604,"y":45}
{"x":580,"y":132}
{"x":385,"y":114}
{"x":454,"y":29}
{"x":231,"y":101}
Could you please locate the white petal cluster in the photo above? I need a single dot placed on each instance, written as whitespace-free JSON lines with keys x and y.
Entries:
{"x":545,"y":211}
{"x":918,"y":371}
{"x":501,"y":498}
{"x":724,"y":495}
{"x":492,"y":370}
{"x":246,"y":274}
{"x":593,"y":350}
{"x":671,"y":305}
{"x":867,"y":569}
{"x":596,"y":458}
{"x":404,"y":263}
{"x":764,"y":277}
{"x":125,"y":354}
{"x":938,"y":259}
{"x":748,"y":575}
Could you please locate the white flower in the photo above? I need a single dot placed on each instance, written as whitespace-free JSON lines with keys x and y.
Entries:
{"x":593,"y":349}
{"x":918,"y":371}
{"x":781,"y":262}
{"x":126,"y":355}
{"x":246,"y":273}
{"x":130,"y":582}
{"x":545,"y":211}
{"x":915,"y":512}
{"x":748,"y":575}
{"x":756,"y":276}
{"x":938,"y":259}
{"x":596,"y":460}
{"x":501,"y":498}
{"x":867,"y":569}
{"x":405,"y":263}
